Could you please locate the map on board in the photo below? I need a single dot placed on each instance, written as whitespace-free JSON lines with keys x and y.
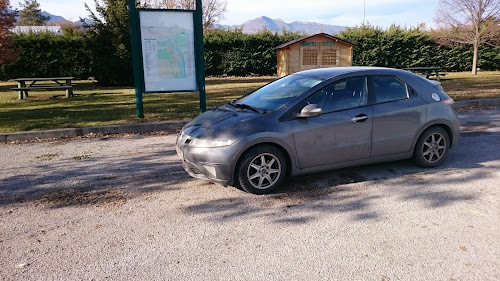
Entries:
{"x":167,"y":40}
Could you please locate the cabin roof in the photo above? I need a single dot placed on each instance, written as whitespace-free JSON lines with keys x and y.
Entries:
{"x":298,"y":40}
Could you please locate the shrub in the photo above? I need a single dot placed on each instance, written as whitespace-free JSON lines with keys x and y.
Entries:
{"x":49,"y":55}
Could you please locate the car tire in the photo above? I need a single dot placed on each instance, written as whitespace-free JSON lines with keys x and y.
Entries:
{"x":432,"y":147}
{"x":261,"y":169}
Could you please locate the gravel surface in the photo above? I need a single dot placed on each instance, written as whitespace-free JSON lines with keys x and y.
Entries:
{"x":122,"y":208}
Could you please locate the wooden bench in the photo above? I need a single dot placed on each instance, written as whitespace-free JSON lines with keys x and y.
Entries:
{"x":427,"y":71}
{"x":57,"y":85}
{"x":440,"y":74}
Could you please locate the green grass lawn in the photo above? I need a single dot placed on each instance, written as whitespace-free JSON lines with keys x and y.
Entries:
{"x":93,"y":105}
{"x":465,"y":86}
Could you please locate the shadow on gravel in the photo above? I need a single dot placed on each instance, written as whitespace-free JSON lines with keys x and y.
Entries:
{"x":98,"y":181}
{"x":337,"y":191}
{"x":92,"y":180}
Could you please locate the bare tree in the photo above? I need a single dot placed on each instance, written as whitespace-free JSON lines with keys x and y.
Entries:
{"x":213,"y":10}
{"x":475,"y":22}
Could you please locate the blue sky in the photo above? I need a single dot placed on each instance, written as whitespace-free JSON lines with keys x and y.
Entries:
{"x":337,"y":12}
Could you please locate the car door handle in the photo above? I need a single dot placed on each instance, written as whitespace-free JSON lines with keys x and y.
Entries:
{"x":359,"y":118}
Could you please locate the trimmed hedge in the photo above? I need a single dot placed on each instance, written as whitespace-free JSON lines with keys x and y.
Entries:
{"x":49,"y":55}
{"x":239,"y":54}
{"x":411,"y":47}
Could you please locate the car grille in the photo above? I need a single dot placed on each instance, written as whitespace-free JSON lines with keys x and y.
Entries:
{"x":192,"y":168}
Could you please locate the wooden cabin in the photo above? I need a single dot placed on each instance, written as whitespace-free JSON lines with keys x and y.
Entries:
{"x":315,"y":51}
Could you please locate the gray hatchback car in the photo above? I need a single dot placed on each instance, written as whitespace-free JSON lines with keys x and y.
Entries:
{"x":317,"y":120}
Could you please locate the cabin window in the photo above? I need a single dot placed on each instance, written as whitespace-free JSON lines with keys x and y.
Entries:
{"x":329,"y":56}
{"x":310,"y":56}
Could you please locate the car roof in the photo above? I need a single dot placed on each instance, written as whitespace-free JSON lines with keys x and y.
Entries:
{"x":326,"y":73}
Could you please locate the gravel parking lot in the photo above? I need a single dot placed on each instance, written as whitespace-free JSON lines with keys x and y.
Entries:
{"x":122,"y":208}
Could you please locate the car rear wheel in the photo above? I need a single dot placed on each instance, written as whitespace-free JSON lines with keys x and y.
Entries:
{"x":261,"y":169}
{"x":432,"y":147}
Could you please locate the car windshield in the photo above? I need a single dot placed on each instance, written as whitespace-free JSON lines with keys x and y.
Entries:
{"x":276,"y":94}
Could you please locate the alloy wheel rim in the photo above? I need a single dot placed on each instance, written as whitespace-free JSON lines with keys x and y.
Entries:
{"x":264,"y":171}
{"x":434,"y":147}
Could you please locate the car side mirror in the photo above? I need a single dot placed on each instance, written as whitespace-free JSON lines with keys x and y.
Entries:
{"x":310,"y":110}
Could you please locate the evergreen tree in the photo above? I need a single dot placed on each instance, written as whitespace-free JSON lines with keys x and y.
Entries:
{"x":31,"y":14}
{"x":109,"y":41}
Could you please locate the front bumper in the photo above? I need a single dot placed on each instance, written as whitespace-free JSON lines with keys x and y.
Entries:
{"x":213,"y":164}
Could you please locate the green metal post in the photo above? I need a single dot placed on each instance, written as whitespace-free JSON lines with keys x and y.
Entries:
{"x":69,"y":91}
{"x":199,"y":60}
{"x":136,"y":56}
{"x":21,"y":84}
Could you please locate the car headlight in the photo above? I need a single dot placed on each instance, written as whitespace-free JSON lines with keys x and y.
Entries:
{"x":209,"y":143}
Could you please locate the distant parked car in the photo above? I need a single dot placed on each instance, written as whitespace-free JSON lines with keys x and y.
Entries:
{"x":317,"y":120}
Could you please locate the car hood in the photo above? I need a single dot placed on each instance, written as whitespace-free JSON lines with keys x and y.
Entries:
{"x":219,"y":120}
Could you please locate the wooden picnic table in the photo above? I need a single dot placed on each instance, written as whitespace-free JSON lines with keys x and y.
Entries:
{"x":60,"y":83}
{"x":426,"y":71}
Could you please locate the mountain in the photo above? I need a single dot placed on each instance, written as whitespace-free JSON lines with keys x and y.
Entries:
{"x":313,"y":28}
{"x":60,"y":20}
{"x":54,"y":20}
{"x":278,"y":25}
{"x":249,"y":27}
{"x":263,"y":23}
{"x":86,"y":20}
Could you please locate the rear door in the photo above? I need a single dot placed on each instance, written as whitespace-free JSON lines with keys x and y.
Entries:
{"x":398,"y":115}
{"x":343,"y":132}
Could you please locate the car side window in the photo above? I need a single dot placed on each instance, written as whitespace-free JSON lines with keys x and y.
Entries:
{"x":343,"y":94}
{"x":411,"y":91}
{"x":388,"y":88}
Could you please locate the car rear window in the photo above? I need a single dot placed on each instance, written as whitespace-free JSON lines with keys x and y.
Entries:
{"x":388,"y":88}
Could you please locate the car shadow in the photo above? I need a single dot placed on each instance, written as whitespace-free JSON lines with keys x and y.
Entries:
{"x":356,"y":191}
{"x":94,"y":180}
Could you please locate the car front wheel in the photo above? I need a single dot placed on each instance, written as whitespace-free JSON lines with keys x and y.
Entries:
{"x":432,"y":147}
{"x":261,"y":169}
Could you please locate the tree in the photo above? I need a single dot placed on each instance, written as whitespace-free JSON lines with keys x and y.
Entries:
{"x":395,"y":46}
{"x":7,"y":20}
{"x":213,"y":10}
{"x":109,"y":42}
{"x":31,"y":14}
{"x":474,"y":22}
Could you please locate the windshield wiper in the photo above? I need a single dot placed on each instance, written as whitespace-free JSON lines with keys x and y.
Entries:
{"x":246,"y":106}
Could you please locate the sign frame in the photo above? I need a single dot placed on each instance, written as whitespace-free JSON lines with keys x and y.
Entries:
{"x":137,"y":54}
{"x":147,"y":88}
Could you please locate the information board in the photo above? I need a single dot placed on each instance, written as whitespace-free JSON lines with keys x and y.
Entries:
{"x":168,"y":51}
